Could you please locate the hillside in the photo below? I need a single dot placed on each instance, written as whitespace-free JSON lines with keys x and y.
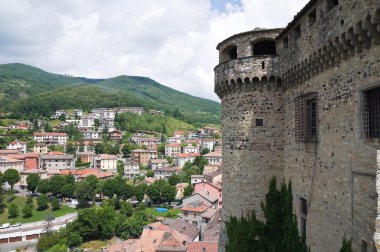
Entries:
{"x":25,"y":89}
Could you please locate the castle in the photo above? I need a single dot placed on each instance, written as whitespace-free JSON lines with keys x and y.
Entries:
{"x":303,"y":104}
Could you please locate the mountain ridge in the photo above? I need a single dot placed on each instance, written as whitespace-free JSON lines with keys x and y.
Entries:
{"x":20,"y":84}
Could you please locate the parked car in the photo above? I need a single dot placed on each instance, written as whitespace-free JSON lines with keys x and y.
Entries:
{"x":16,"y":224}
{"x":5,"y":225}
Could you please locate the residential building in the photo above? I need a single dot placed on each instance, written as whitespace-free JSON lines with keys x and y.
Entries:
{"x":131,"y":169}
{"x":116,"y":135}
{"x":50,"y":137}
{"x":87,"y":121}
{"x":78,"y":113}
{"x":171,"y":140}
{"x":180,"y":187}
{"x":135,"y":110}
{"x":165,"y":172}
{"x":149,"y":142}
{"x":11,"y":163}
{"x":149,"y":180}
{"x":192,"y":212}
{"x":91,"y":135}
{"x":5,"y":153}
{"x":31,"y":160}
{"x":192,"y":135}
{"x":203,"y":246}
{"x":80,"y":175}
{"x":208,"y":143}
{"x":210,"y":131}
{"x":140,"y":156}
{"x":181,"y":158}
{"x":25,"y":173}
{"x":210,"y":168}
{"x":191,"y":149}
{"x":213,"y":177}
{"x":157,"y":163}
{"x":214,"y":158}
{"x":17,"y":145}
{"x":86,"y":157}
{"x":197,"y":179}
{"x":58,"y":113}
{"x":106,"y":162}
{"x":172,"y":149}
{"x":55,"y":163}
{"x":214,"y":190}
{"x":180,"y":134}
{"x":40,"y":148}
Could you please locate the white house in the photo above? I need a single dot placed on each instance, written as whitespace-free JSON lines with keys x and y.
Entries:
{"x":182,"y":158}
{"x":50,"y":137}
{"x":17,"y":145}
{"x":172,"y":149}
{"x":131,"y":169}
{"x":106,"y":162}
{"x":190,"y":149}
{"x":214,"y":158}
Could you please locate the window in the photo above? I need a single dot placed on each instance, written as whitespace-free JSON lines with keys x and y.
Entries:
{"x":264,"y":47}
{"x":297,"y":32}
{"x":303,"y":213}
{"x":371,"y":113}
{"x":364,"y":246}
{"x":195,"y":223}
{"x":259,"y":122}
{"x":331,"y":4}
{"x":306,"y":116}
{"x":312,"y":17}
{"x":285,"y":42}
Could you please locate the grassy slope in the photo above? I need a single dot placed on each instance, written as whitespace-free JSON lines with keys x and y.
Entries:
{"x":37,"y":215}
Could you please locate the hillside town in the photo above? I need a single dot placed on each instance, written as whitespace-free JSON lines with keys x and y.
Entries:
{"x":191,"y":161}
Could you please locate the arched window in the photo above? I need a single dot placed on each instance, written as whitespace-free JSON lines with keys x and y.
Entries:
{"x":229,"y":53}
{"x":264,"y":47}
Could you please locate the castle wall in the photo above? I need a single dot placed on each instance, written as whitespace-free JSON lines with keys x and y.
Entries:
{"x":331,"y":48}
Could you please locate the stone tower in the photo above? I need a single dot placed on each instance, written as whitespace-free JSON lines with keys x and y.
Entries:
{"x":247,"y":82}
{"x":303,"y":104}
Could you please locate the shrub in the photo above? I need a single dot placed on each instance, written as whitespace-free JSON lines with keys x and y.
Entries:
{"x":42,"y":202}
{"x":55,"y":204}
{"x":27,"y":211}
{"x":12,"y":211}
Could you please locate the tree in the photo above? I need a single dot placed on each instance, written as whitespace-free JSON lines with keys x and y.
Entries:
{"x":74,"y":239}
{"x":71,"y":148}
{"x":205,"y":151}
{"x":161,"y":190}
{"x":69,"y":179}
{"x":84,"y":192}
{"x":346,"y":246}
{"x":43,"y":186}
{"x":110,"y":187}
{"x":32,"y":182}
{"x":139,"y":191}
{"x":68,"y":190}
{"x":188,"y":191}
{"x":129,"y":228}
{"x":27,"y":210}
{"x":62,"y":117}
{"x":55,"y":204}
{"x":150,"y":174}
{"x":42,"y":202}
{"x":278,"y":233}
{"x":56,"y":183}
{"x":174,"y":179}
{"x":12,"y":176}
{"x":12,"y":211}
{"x":126,"y":208}
{"x":93,"y":180}
{"x":120,"y":167}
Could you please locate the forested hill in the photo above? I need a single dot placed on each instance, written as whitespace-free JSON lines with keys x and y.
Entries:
{"x":26,"y":90}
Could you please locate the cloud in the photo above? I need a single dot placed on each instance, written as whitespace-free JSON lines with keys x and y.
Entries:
{"x":172,"y":42}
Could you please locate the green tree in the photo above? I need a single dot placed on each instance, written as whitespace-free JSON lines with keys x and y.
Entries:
{"x":56,"y":183}
{"x":55,"y":204}
{"x":43,"y":186}
{"x":62,"y":117}
{"x":42,"y":202}
{"x":278,"y":233}
{"x":12,"y":176}
{"x":27,"y":210}
{"x":126,"y":208}
{"x":205,"y":151}
{"x":130,"y":228}
{"x":188,"y":191}
{"x":29,"y":200}
{"x":161,"y":190}
{"x":74,"y":239}
{"x":110,"y":187}
{"x":71,"y":148}
{"x":12,"y":211}
{"x":139,"y":191}
{"x":120,"y":167}
{"x":68,"y":190}
{"x":49,"y":240}
{"x":174,"y":179}
{"x":32,"y":182}
{"x":150,"y":174}
{"x":93,"y":180}
{"x":346,"y":246}
{"x":84,"y":192}
{"x":69,"y":179}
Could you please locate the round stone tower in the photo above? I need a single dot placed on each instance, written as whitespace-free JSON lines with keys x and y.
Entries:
{"x":247,"y":82}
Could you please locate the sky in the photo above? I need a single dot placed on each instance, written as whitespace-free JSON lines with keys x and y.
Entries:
{"x":171,"y":41}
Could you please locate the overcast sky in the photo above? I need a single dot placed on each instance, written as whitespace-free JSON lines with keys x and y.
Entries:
{"x":170,"y":41}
